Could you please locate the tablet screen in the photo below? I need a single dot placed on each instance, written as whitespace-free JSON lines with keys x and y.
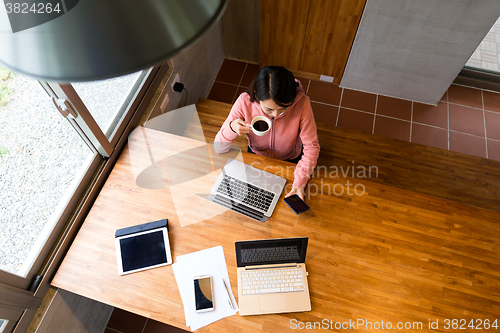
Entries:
{"x":142,"y":251}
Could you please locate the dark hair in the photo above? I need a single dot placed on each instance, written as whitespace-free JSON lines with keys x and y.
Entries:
{"x":276,"y":83}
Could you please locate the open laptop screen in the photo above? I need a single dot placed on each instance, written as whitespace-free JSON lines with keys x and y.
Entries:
{"x":271,"y":251}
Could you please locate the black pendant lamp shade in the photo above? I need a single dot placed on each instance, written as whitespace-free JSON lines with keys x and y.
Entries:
{"x":84,"y":40}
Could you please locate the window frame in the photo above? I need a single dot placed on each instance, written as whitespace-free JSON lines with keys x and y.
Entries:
{"x":23,"y":292}
{"x":479,"y":78}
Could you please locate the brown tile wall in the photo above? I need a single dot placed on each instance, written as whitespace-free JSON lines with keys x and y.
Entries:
{"x":467,"y":120}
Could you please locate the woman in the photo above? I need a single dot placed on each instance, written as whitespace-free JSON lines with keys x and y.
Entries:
{"x":293,"y":137}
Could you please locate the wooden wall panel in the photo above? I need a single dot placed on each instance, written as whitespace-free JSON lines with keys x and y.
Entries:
{"x":282,"y":29}
{"x":331,"y":28}
{"x":241,"y":30}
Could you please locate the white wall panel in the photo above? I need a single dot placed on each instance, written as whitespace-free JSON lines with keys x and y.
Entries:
{"x":414,"y":49}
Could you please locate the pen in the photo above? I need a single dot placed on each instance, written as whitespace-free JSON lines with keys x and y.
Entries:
{"x":228,"y":296}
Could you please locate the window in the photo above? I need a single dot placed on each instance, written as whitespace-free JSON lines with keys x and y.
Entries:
{"x":487,"y":55}
{"x":43,"y":159}
{"x":482,"y":70}
{"x":56,"y":139}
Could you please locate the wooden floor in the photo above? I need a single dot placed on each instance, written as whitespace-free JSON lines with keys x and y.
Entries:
{"x":402,"y":252}
{"x":416,"y":247}
{"x":388,"y":255}
{"x":439,"y":173}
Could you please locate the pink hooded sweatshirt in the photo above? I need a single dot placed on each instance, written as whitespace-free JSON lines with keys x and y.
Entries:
{"x":289,"y":131}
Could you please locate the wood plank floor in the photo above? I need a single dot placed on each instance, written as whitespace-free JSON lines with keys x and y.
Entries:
{"x":440,"y":173}
{"x":400,"y":253}
{"x":395,"y":254}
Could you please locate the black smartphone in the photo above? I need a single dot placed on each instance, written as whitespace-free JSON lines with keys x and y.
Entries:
{"x":296,"y":204}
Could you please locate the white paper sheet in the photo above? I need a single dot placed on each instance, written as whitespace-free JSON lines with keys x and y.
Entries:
{"x":210,"y":261}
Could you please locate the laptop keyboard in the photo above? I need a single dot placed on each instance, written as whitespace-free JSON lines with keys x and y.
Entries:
{"x":246,"y":193}
{"x":276,"y":280}
{"x":269,"y":254}
{"x":240,"y":208}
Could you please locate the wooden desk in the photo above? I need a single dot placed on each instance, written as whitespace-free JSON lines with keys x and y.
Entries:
{"x":388,"y":254}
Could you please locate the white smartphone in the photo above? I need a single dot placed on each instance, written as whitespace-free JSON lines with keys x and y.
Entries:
{"x":203,"y":293}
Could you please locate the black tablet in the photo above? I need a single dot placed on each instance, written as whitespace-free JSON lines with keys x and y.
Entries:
{"x":142,"y":250}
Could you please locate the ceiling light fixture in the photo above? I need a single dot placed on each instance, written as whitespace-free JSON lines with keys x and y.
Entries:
{"x":72,"y":40}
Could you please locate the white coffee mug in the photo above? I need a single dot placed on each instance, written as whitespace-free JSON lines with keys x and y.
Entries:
{"x":260,"y":131}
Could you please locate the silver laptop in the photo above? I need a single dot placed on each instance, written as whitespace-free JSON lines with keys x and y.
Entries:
{"x":272,"y":276}
{"x":247,"y":190}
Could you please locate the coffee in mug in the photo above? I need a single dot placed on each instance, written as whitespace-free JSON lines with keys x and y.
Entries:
{"x":260,"y":125}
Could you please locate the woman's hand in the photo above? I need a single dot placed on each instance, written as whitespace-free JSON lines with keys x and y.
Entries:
{"x":239,"y":126}
{"x":296,"y":190}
